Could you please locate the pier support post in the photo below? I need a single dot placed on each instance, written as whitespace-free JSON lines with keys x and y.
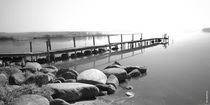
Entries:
{"x":31,"y":50}
{"x":109,"y":42}
{"x":49,"y":43}
{"x":94,"y":41}
{"x":121,"y":40}
{"x":48,"y":53}
{"x":74,"y":42}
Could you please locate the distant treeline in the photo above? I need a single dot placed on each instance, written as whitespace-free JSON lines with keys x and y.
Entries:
{"x":6,"y":38}
{"x":206,"y":30}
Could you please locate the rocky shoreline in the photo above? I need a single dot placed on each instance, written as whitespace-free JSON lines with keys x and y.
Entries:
{"x":35,"y":84}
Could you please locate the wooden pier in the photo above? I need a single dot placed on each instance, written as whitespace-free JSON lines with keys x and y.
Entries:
{"x":50,"y":54}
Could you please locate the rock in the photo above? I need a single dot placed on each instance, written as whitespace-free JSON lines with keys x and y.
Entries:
{"x":56,"y":81}
{"x":17,"y":79}
{"x":115,"y":65}
{"x":13,"y":87}
{"x":31,"y":100}
{"x":8,"y":71}
{"x":26,"y":69}
{"x":49,"y":69}
{"x":121,"y":74}
{"x":73,"y":91}
{"x":33,"y":65}
{"x":3,"y":80}
{"x":73,"y":55}
{"x":102,"y":93}
{"x":129,"y":94}
{"x":69,"y":75}
{"x":73,"y":73}
{"x":51,"y":77}
{"x":39,"y":79}
{"x":80,"y":54}
{"x":58,"y":101}
{"x":134,"y":73}
{"x":70,"y":81}
{"x":1,"y":102}
{"x":129,"y":87}
{"x":102,"y":87}
{"x":101,"y":50}
{"x":87,"y":52}
{"x":41,"y":60}
{"x":112,"y":80}
{"x":61,"y":79}
{"x":111,"y":89}
{"x":131,"y":68}
{"x":95,"y":51}
{"x":92,"y":76}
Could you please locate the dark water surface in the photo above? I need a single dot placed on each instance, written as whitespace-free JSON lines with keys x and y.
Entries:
{"x":177,"y":75}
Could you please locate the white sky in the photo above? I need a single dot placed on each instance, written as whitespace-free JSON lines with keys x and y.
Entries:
{"x":103,"y":15}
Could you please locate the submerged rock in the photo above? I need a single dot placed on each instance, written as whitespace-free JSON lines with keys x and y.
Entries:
{"x":134,"y":73}
{"x":92,"y":76}
{"x":131,"y":68}
{"x":74,"y":91}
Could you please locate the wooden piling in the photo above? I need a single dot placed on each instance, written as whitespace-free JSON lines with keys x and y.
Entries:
{"x":94,"y":41}
{"x":31,"y":49}
{"x":49,"y":44}
{"x":121,"y":40}
{"x":109,"y":42}
{"x":74,"y":42}
{"x":48,"y":53}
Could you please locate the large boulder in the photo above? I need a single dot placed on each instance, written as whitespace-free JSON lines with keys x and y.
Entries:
{"x":58,"y":101}
{"x":92,"y":76}
{"x":73,"y":91}
{"x":17,"y":79}
{"x":31,"y":100}
{"x":120,"y":73}
{"x":134,"y":73}
{"x":33,"y":65}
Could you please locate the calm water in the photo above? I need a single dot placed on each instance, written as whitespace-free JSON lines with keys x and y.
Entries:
{"x":177,"y":75}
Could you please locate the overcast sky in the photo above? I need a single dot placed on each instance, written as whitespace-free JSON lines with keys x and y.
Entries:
{"x":103,"y":15}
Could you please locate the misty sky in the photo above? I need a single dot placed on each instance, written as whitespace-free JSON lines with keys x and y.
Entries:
{"x":103,"y":15}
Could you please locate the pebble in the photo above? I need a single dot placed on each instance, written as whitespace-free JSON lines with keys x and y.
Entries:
{"x":129,"y":94}
{"x":129,"y":87}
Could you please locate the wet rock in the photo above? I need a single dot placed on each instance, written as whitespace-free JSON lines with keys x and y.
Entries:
{"x":92,"y":76}
{"x":121,"y":74}
{"x":102,"y":93}
{"x":58,"y":101}
{"x":131,"y":68}
{"x":134,"y":73}
{"x":17,"y":79}
{"x":42,"y":60}
{"x":114,"y":65}
{"x":3,"y":79}
{"x":129,"y":87}
{"x":49,"y":69}
{"x":102,"y":87}
{"x":100,"y":50}
{"x":31,"y":100}
{"x":69,"y":75}
{"x":80,"y":54}
{"x":74,"y":91}
{"x":129,"y":94}
{"x":115,"y":48}
{"x":112,"y":80}
{"x":73,"y":55}
{"x":111,"y":89}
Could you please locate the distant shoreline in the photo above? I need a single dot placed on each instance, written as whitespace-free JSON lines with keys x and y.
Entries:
{"x":206,"y":30}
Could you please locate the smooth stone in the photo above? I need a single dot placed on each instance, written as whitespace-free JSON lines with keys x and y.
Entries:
{"x":73,"y":91}
{"x":17,"y":79}
{"x":33,"y":65}
{"x":113,"y":80}
{"x":129,"y":94}
{"x":121,"y":74}
{"x":92,"y":76}
{"x":31,"y":100}
{"x":131,"y":68}
{"x":134,"y":73}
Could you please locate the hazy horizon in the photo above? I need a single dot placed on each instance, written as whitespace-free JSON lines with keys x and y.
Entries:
{"x":103,"y":15}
